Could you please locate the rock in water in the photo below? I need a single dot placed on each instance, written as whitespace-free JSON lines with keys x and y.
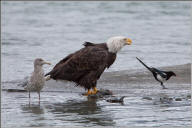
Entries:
{"x":163,"y":100}
{"x":189,"y":96}
{"x":116,"y":100}
{"x":16,"y":90}
{"x":105,"y":92}
{"x":166,"y":100}
{"x":147,"y":98}
{"x":178,"y":99}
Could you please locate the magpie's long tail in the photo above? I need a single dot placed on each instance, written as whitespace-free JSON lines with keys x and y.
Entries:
{"x":145,"y":65}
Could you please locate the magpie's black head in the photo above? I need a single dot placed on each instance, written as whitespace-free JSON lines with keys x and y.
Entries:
{"x":171,"y":73}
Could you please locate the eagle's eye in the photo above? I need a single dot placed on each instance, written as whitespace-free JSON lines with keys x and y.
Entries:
{"x":125,"y":39}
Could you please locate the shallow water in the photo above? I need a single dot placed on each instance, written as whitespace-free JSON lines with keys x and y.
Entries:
{"x":62,"y":104}
{"x":72,"y":109}
{"x":161,"y":36}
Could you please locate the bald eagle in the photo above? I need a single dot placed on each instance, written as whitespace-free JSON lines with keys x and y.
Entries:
{"x":85,"y":66}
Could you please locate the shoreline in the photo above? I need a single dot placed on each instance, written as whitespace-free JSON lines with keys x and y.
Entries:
{"x":143,"y":76}
{"x":128,"y":79}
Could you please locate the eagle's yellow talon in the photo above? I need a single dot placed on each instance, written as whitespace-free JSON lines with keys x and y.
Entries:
{"x":88,"y":92}
{"x":94,"y":90}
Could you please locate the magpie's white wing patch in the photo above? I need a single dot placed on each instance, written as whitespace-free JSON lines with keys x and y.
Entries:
{"x":160,"y":78}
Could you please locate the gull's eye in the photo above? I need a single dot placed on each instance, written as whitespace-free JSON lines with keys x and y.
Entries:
{"x":125,"y":39}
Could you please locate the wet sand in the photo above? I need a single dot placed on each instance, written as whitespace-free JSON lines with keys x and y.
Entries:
{"x":63,"y":105}
{"x":143,"y":79}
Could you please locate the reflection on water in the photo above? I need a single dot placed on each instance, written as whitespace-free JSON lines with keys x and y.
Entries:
{"x":85,"y":111}
{"x":79,"y":107}
{"x":36,"y":114}
{"x":163,"y":100}
{"x":32,"y":108}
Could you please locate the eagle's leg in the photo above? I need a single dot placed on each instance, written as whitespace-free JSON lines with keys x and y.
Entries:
{"x":94,"y":90}
{"x":88,"y":92}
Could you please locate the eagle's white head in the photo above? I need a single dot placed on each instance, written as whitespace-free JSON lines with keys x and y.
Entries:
{"x":115,"y":44}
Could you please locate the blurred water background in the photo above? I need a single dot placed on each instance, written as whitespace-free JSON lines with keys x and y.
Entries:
{"x":160,"y":32}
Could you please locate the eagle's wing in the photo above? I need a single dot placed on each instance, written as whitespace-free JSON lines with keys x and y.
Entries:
{"x":84,"y":61}
{"x":86,"y":44}
{"x":60,"y":63}
{"x":63,"y":60}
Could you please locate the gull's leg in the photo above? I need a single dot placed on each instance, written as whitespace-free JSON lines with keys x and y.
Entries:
{"x":39,"y":97}
{"x":29,"y":95}
{"x":94,"y":90}
{"x":29,"y":99}
{"x":88,"y":92}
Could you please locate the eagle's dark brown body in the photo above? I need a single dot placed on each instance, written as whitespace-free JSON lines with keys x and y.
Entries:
{"x":85,"y":66}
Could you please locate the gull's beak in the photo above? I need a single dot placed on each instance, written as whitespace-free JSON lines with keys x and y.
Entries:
{"x":46,"y":63}
{"x":128,"y":41}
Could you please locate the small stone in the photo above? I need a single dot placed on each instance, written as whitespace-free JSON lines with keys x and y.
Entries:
{"x":178,"y":99}
{"x":147,"y":98}
{"x":166,"y":100}
{"x":189,"y":96}
{"x":105,"y":92}
{"x":116,"y":100}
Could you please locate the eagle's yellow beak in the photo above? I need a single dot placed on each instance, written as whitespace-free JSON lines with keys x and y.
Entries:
{"x":128,"y":41}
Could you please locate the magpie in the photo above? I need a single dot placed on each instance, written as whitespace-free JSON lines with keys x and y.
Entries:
{"x":160,"y":76}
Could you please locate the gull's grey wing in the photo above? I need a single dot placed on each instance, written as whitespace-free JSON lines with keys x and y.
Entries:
{"x":24,"y":82}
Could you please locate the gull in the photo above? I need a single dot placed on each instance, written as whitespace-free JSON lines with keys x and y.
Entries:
{"x":36,"y":81}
